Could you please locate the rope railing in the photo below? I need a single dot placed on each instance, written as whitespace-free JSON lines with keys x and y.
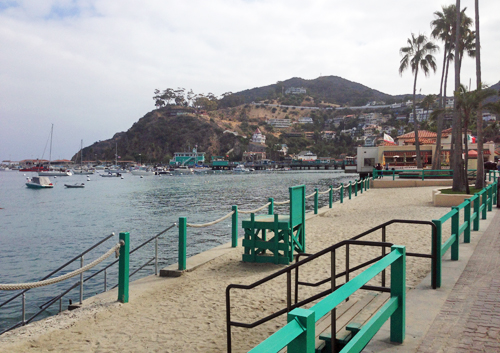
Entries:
{"x":203,"y":225}
{"x":19,"y":286}
{"x":282,"y":203}
{"x":259,"y":209}
{"x":309,"y":196}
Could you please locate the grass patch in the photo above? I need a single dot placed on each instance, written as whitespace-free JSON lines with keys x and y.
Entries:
{"x":473,"y":191}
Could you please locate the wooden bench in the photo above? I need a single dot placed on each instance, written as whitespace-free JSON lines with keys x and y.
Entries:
{"x":287,"y":232}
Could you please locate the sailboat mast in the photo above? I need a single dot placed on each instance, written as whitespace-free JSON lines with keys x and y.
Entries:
{"x":50,"y":149}
{"x":116,"y":153}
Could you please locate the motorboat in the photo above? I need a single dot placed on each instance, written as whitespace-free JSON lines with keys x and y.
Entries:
{"x":201,"y":170}
{"x":77,"y":185}
{"x":183,"y":170}
{"x":39,"y":182}
{"x":240,"y":168}
{"x":143,"y":171}
{"x":110,"y":175}
{"x":56,"y":172}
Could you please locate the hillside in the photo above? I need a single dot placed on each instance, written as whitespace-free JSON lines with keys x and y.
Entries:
{"x":329,"y":89}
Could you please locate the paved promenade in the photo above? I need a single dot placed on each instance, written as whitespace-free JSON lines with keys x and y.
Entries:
{"x":469,"y":320}
{"x":464,"y":314}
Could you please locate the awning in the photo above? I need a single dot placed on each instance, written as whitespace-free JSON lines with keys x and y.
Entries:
{"x":400,"y":154}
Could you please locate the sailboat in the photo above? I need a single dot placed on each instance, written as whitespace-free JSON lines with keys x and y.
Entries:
{"x":81,"y":169}
{"x":54,"y":172}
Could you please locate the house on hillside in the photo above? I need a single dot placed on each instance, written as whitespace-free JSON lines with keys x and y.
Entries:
{"x":258,"y":137}
{"x":306,"y":156}
{"x":295,"y":90}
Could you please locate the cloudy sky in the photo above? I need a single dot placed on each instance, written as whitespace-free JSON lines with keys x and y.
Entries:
{"x":90,"y":66}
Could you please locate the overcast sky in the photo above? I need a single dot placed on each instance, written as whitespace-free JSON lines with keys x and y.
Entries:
{"x":90,"y":66}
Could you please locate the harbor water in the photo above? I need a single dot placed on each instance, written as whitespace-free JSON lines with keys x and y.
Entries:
{"x":42,"y":229}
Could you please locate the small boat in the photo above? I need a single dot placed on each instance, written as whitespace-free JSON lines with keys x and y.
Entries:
{"x":77,"y":185}
{"x":240,"y":168}
{"x":39,"y":182}
{"x":183,"y":170}
{"x":110,"y":175}
{"x":143,"y":171}
{"x":55,"y":172}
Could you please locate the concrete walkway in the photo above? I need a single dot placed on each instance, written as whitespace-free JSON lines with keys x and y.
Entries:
{"x":464,"y":314}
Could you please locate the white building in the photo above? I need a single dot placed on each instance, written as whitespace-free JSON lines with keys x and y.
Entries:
{"x":305,"y":120}
{"x":280,"y":123}
{"x":307,"y":156}
{"x":296,"y":90}
{"x":258,"y":137}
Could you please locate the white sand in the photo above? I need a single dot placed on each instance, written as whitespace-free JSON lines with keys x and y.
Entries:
{"x":187,"y":314}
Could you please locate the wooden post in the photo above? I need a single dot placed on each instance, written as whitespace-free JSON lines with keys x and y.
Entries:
{"x":234,"y":226}
{"x":305,"y":342}
{"x":123,"y":268}
{"x":270,"y":209}
{"x":398,"y":289}
{"x":182,"y":243}
{"x":316,"y":201}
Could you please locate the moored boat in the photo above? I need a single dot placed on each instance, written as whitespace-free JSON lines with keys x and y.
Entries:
{"x":240,"y":168}
{"x":143,"y":171}
{"x":39,"y":182}
{"x":77,"y":185}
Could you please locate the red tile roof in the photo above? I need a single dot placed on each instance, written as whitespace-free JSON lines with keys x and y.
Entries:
{"x":421,"y":134}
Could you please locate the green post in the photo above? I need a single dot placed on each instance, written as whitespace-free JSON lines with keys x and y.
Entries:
{"x":316,"y":201}
{"x":393,"y":174}
{"x":123,"y":268}
{"x":423,"y":177}
{"x":350,"y":190}
{"x":437,"y":251}
{"x":182,"y":243}
{"x":368,"y":183}
{"x":477,"y":201}
{"x":490,"y":197}
{"x":489,"y":175}
{"x":234,"y":226}
{"x":375,"y":173}
{"x":356,"y":187}
{"x":467,"y":219}
{"x":495,"y":190}
{"x":341,"y":192}
{"x":305,"y":342}
{"x":398,"y":289}
{"x":485,"y":204}
{"x":330,"y":197}
{"x":271,"y":206}
{"x":455,"y":225}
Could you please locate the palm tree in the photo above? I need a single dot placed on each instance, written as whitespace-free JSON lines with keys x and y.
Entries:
{"x":480,"y":135}
{"x":418,"y":54}
{"x":467,"y":102}
{"x":444,"y":28}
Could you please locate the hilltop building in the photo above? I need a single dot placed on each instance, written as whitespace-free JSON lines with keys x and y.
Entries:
{"x":258,"y":137}
{"x":296,"y":90}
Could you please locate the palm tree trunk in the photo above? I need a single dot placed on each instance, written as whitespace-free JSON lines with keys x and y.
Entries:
{"x":415,"y":121}
{"x":480,"y":137}
{"x":436,"y":162}
{"x":458,"y":167}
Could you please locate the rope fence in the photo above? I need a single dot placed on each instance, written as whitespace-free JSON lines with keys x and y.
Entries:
{"x":19,"y":286}
{"x":210,"y":223}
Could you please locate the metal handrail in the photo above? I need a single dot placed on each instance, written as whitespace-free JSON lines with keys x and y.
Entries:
{"x":288,"y":270}
{"x":354,"y":240}
{"x":53,"y":300}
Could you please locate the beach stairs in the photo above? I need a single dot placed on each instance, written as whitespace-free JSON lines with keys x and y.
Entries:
{"x":286,"y":232}
{"x":351,"y":316}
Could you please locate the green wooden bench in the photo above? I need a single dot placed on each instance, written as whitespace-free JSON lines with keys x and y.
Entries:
{"x":286,"y":232}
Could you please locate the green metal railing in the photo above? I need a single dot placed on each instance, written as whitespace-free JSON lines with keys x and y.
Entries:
{"x":420,"y":173}
{"x":474,"y":209}
{"x":361,"y":184}
{"x":299,"y":334}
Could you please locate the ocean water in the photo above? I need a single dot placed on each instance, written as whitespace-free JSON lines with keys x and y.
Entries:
{"x":42,"y":229}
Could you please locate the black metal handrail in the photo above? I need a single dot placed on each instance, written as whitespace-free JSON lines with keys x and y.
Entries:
{"x":288,"y":270}
{"x":354,"y":241}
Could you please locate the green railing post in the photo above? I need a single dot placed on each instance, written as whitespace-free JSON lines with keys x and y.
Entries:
{"x":437,"y":251}
{"x":270,"y":209}
{"x":316,"y":201}
{"x":495,"y":191}
{"x":123,"y":268}
{"x":350,"y":190}
{"x":182,"y":243}
{"x":398,"y":289}
{"x":467,"y":219}
{"x":341,"y":192}
{"x":368,"y":183}
{"x":423,"y":176}
{"x":305,"y":342}
{"x":234,"y":227}
{"x":375,"y":173}
{"x":355,"y":187}
{"x":485,"y":204}
{"x":330,"y":197}
{"x":455,"y":226}
{"x":489,"y":175}
{"x":477,"y":203}
{"x":394,"y":175}
{"x":490,"y":197}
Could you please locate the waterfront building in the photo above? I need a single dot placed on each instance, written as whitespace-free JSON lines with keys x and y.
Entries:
{"x":188,"y":158}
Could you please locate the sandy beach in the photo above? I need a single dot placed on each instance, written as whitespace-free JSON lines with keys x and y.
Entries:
{"x":188,"y":313}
